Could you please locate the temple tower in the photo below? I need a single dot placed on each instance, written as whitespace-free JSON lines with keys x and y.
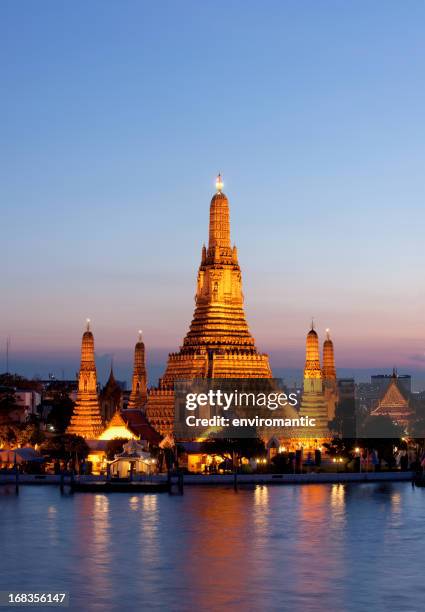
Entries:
{"x":218,"y":343}
{"x":329,"y":376}
{"x":110,"y":398}
{"x":138,"y":393}
{"x":86,"y":420}
{"x":313,"y":402}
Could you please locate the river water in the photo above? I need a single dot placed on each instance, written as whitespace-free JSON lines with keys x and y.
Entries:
{"x":299,"y":548}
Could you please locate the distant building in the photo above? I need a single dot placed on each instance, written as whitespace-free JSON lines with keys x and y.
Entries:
{"x":346,"y":408}
{"x":10,"y":411}
{"x":29,"y":400}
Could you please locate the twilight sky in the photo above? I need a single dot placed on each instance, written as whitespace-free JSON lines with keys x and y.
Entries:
{"x":115,"y":118}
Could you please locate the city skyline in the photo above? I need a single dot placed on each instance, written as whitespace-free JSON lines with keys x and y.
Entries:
{"x":107,"y":211}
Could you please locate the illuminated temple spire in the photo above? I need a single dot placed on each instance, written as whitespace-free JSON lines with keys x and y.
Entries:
{"x":219,"y":220}
{"x":312,"y":359}
{"x":86,"y":420}
{"x":218,"y":343}
{"x":313,"y":403}
{"x":139,"y":385}
{"x":329,"y":371}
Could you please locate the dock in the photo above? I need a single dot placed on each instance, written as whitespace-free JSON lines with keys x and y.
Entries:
{"x":109,"y":486}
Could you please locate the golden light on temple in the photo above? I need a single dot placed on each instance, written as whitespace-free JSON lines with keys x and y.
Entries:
{"x":86,"y":419}
{"x":117,"y":428}
{"x":218,"y":343}
{"x":138,"y":395}
{"x":219,"y":183}
{"x":329,"y":371}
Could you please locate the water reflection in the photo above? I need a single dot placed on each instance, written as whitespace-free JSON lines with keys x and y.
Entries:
{"x":53,"y":526}
{"x":261,"y":510}
{"x":93,"y":545}
{"x":284,"y":547}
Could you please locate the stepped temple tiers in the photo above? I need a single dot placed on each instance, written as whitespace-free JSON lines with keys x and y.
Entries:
{"x":395,"y":404}
{"x":138,"y":394}
{"x":218,"y":343}
{"x":313,"y":403}
{"x":330,"y":385}
{"x":86,"y":420}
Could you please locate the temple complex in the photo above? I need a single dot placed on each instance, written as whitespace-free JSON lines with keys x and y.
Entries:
{"x":330,"y":385}
{"x":395,"y":404}
{"x":86,"y":420}
{"x":218,"y":343}
{"x":313,"y":403}
{"x":138,"y":394}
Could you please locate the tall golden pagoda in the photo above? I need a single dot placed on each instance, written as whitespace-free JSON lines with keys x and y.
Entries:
{"x":218,"y":343}
{"x":329,"y":376}
{"x":138,"y":393}
{"x":86,"y":420}
{"x":313,"y":402}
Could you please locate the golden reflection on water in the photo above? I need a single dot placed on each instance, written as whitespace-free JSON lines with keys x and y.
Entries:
{"x":133,"y":502}
{"x":261,"y":510}
{"x":150,"y":503}
{"x":338,"y":498}
{"x":221,"y":552}
{"x":396,"y":502}
{"x":53,"y":527}
{"x":94,"y":542}
{"x":149,"y":526}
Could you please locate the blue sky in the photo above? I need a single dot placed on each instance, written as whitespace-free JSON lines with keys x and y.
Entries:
{"x":115,"y":118}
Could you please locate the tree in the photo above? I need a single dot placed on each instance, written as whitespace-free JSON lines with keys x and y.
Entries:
{"x":340,"y":447}
{"x":114,"y":447}
{"x":234,"y":448}
{"x":66,"y":446}
{"x":8,"y":435}
{"x":61,"y":411}
{"x":29,"y":434}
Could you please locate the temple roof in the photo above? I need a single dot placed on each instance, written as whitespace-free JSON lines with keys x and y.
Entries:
{"x":137,"y":422}
{"x":394,"y":394}
{"x":117,"y":428}
{"x":394,"y":403}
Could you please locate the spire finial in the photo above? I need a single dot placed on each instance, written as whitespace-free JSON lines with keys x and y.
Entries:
{"x":88,"y":324}
{"x":312,"y":322}
{"x":219,"y":183}
{"x":140,"y":335}
{"x":328,"y":337}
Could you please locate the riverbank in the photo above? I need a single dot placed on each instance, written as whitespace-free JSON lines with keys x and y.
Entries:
{"x":229,"y":479}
